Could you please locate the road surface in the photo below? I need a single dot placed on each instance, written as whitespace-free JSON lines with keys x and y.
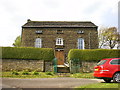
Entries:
{"x":65,"y":82}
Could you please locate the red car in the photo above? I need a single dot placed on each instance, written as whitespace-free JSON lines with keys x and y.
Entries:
{"x":108,"y":69}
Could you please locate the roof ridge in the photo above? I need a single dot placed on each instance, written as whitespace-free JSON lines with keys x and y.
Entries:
{"x":60,"y":21}
{"x":59,"y":24}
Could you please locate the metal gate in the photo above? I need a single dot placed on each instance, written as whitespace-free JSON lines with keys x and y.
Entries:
{"x":74,"y":66}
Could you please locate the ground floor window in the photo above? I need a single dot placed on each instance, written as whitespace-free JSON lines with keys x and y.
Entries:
{"x":80,"y":43}
{"x":38,"y":43}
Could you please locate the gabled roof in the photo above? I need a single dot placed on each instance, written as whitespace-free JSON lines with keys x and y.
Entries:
{"x":59,"y":24}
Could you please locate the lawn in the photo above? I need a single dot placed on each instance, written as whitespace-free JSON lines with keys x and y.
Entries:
{"x":44,"y":75}
{"x":28,"y":75}
{"x":99,"y":85}
{"x":82,"y":75}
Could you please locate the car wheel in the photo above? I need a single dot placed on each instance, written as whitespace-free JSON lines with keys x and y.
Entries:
{"x":107,"y":80}
{"x":116,"y":77}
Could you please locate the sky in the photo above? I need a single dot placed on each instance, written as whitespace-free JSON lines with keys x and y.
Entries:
{"x":14,"y":14}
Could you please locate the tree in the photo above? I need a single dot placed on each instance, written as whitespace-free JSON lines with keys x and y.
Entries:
{"x":118,"y":46}
{"x":17,"y":42}
{"x":108,"y":37}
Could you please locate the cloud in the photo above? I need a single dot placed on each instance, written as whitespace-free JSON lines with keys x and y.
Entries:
{"x":51,"y":3}
{"x":14,"y":14}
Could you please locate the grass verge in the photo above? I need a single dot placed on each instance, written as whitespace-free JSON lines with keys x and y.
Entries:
{"x":30,"y":75}
{"x":44,"y":75}
{"x":82,"y":75}
{"x":99,"y":85}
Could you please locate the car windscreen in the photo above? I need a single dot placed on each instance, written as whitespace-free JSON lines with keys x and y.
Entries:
{"x":101,"y":62}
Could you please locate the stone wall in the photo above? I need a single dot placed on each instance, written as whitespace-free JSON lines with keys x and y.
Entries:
{"x":31,"y":65}
{"x":40,"y":65}
{"x":87,"y":66}
{"x":83,"y":66}
{"x":48,"y":66}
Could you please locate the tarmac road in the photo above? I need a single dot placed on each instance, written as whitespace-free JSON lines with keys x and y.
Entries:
{"x":65,"y":82}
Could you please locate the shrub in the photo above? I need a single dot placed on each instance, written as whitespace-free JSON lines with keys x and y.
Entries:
{"x":27,"y":53}
{"x":49,"y":73}
{"x":92,"y":54}
{"x":35,"y":73}
{"x":25,"y":72}
{"x":15,"y":73}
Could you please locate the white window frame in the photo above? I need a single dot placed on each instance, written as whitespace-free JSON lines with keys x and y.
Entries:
{"x":81,"y":43}
{"x":38,"y":43}
{"x":59,"y":31}
{"x":39,"y":32}
{"x":80,"y":32}
{"x":59,"y":41}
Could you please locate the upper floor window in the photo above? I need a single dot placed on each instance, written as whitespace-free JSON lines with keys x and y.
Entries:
{"x":39,"y":32}
{"x":80,"y":32}
{"x":59,"y":31}
{"x":38,"y":42}
{"x":80,"y":43}
{"x":59,"y":41}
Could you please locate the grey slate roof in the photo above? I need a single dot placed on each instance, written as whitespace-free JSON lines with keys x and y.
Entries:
{"x":59,"y":24}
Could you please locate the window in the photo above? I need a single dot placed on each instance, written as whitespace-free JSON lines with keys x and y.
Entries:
{"x":80,"y":32}
{"x":38,"y":42}
{"x":59,"y":41}
{"x":39,"y":32}
{"x":59,"y":31}
{"x":80,"y":43}
{"x":115,"y":62}
{"x":101,"y":62}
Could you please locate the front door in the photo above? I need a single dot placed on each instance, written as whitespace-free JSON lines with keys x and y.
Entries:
{"x":60,"y":57}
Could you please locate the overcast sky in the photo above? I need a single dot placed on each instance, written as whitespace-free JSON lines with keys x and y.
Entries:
{"x":14,"y":13}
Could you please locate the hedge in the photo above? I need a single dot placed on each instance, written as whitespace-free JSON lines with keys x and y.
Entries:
{"x":93,"y":54}
{"x":27,"y":53}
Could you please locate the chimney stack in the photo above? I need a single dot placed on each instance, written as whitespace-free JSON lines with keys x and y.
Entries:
{"x":28,"y":20}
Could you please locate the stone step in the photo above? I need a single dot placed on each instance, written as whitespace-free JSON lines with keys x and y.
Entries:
{"x":63,"y":74}
{"x":63,"y":70}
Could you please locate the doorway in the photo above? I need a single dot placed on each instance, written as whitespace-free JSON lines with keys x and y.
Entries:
{"x":59,"y":54}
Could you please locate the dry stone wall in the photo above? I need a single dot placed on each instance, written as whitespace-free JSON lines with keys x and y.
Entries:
{"x":41,"y":66}
{"x":31,"y":65}
{"x":82,"y":66}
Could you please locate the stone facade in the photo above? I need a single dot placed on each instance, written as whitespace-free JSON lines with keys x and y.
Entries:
{"x":69,"y":34}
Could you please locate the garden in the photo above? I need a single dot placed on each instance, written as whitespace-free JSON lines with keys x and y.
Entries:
{"x":48,"y":55}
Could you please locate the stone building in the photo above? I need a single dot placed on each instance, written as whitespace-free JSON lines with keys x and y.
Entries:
{"x":60,"y":35}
